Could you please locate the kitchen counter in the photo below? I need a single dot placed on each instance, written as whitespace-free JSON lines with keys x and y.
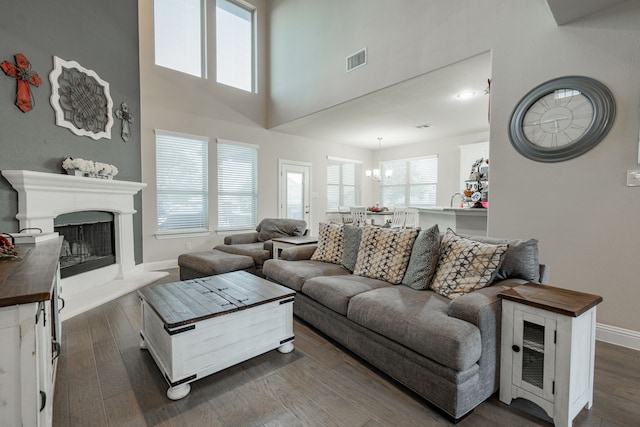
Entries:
{"x":471,"y":221}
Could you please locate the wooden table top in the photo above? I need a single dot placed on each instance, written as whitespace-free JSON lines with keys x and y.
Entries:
{"x":558,"y":300}
{"x":191,"y":301}
{"x":29,"y":278}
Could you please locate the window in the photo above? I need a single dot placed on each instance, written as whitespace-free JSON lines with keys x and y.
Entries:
{"x":413,"y":182}
{"x":237,"y":185}
{"x":343,"y":183}
{"x":235,"y":44}
{"x":179,"y":34}
{"x":181,"y":179}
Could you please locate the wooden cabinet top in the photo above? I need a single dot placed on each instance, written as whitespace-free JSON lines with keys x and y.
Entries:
{"x":29,"y":278}
{"x":558,"y":300}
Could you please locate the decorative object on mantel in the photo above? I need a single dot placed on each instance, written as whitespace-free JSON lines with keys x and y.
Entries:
{"x":7,"y":247}
{"x":25,"y":77}
{"x":89,"y":168}
{"x":124,"y":114}
{"x":81,"y":100}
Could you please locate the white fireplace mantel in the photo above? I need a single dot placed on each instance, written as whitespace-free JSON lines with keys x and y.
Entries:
{"x":44,"y":196}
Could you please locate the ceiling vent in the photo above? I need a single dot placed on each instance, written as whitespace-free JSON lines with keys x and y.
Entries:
{"x":357,"y":60}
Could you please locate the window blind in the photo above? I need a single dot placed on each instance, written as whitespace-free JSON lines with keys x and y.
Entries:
{"x":343,"y":183}
{"x":413,"y":182}
{"x":182,"y":182}
{"x":237,"y":185}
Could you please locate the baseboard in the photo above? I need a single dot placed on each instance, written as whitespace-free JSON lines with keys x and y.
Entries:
{"x":161,"y":265}
{"x":618,"y":336}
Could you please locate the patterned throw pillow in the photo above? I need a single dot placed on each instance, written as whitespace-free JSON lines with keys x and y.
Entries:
{"x":424,"y":259}
{"x":330,"y":244}
{"x":384,"y":254}
{"x":465,"y":265}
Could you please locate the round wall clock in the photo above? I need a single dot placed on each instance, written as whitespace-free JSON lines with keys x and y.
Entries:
{"x":562,"y":119}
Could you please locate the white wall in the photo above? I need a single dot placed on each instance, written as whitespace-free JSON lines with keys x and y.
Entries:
{"x":581,"y":210}
{"x":181,"y":103}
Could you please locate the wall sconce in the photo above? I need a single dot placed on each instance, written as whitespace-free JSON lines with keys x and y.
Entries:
{"x":375,"y":173}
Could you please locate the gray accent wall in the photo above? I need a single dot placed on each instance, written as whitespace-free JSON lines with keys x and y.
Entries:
{"x":101,"y":36}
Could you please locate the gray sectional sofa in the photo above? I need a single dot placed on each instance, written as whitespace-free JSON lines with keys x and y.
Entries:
{"x":443,"y":345}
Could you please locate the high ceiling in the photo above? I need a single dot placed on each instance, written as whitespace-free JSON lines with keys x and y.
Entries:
{"x":394,"y":113}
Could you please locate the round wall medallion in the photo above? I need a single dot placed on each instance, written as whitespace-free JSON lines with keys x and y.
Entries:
{"x":562,"y":119}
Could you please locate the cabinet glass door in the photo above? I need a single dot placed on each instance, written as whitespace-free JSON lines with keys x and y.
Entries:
{"x":534,"y":354}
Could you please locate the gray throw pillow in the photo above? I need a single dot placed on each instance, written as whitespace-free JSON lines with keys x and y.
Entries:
{"x":424,"y":259}
{"x":352,"y":236}
{"x":520,"y":261}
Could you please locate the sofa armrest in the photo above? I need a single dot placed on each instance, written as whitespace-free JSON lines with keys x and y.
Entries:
{"x":238,"y":239}
{"x":483,"y":308}
{"x":298,"y":253}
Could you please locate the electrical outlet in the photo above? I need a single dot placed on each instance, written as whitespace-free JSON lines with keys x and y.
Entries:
{"x":633,"y":178}
{"x":187,"y":246}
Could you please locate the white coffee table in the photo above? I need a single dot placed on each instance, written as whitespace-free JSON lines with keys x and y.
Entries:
{"x":197,"y":327}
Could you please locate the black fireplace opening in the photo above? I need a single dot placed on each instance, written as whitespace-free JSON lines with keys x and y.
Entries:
{"x":89,"y":241}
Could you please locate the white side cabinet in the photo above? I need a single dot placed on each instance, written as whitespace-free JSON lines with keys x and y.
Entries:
{"x":29,"y":335}
{"x":547,"y":350}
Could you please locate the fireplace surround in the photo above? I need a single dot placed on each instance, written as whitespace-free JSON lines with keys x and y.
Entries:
{"x":44,"y":196}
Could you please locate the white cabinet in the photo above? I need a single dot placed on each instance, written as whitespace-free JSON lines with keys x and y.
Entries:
{"x":547,"y":349}
{"x":29,"y":335}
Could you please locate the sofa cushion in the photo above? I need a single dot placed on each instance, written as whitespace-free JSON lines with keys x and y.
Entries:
{"x":293,"y":274}
{"x":520,"y":261}
{"x":419,"y":321}
{"x":352,"y":237}
{"x":330,"y":244}
{"x":254,"y":250}
{"x":465,"y":265}
{"x":423,"y":260}
{"x":384,"y":254}
{"x":270,"y":228}
{"x":334,"y":292}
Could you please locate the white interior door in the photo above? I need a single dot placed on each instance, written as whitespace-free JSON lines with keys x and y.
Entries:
{"x":295,"y":190}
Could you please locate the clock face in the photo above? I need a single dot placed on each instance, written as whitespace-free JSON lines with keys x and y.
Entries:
{"x":558,"y":118}
{"x":562,"y":119}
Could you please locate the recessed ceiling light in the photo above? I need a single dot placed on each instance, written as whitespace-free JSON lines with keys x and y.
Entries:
{"x":466,"y":94}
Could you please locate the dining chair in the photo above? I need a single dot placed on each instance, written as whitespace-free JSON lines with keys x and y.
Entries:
{"x":399,"y":218}
{"x":345,"y":214}
{"x":358,"y":215}
{"x":413,"y":218}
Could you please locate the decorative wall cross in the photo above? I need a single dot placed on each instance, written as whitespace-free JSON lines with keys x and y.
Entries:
{"x":124,"y":114}
{"x":22,"y":72}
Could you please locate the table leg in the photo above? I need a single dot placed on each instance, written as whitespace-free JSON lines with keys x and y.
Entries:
{"x":286,"y":348}
{"x":178,"y":392}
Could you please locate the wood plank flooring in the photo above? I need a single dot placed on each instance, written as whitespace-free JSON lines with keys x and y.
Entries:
{"x":104,"y":379}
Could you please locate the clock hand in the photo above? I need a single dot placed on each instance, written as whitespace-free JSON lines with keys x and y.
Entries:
{"x":545,"y":121}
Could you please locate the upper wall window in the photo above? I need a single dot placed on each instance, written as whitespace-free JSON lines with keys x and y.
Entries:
{"x":178,"y":34}
{"x":235,"y":44}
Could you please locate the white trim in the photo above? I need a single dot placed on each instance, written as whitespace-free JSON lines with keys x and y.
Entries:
{"x":341,"y":159}
{"x":228,"y":141}
{"x":618,"y":336}
{"x":161,"y":265}
{"x":163,"y":132}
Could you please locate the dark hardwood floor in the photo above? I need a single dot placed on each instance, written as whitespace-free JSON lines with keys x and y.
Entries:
{"x":104,"y":379}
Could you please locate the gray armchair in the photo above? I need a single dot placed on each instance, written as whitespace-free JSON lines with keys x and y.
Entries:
{"x":257,"y":244}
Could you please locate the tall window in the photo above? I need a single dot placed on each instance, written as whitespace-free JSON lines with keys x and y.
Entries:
{"x":179,"y":34}
{"x":413,"y":182}
{"x":237,"y":185}
{"x":343,"y":183}
{"x":182,"y":183}
{"x":235,"y":44}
